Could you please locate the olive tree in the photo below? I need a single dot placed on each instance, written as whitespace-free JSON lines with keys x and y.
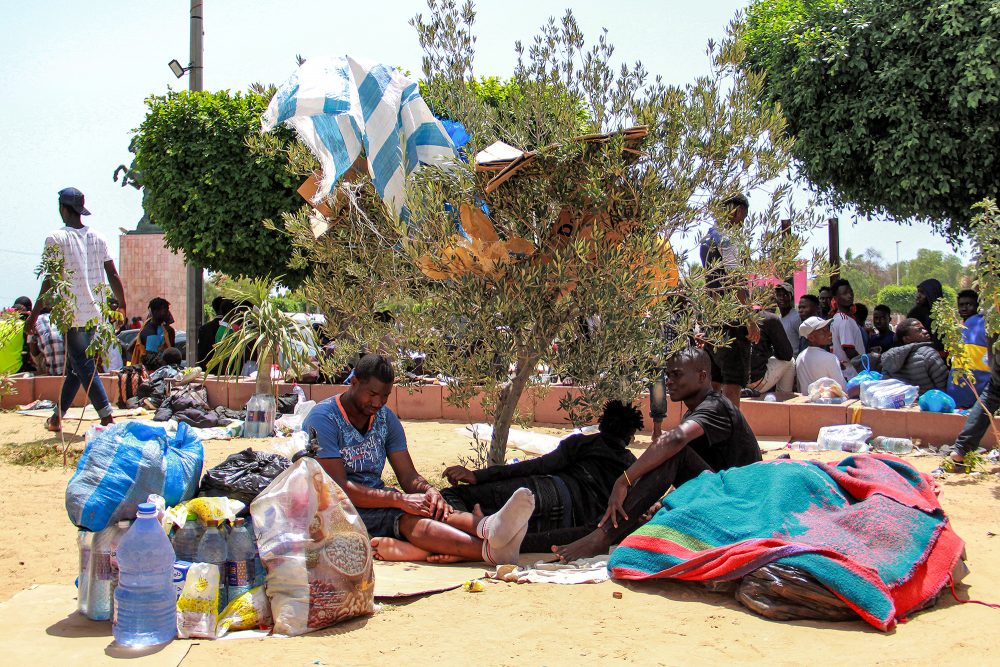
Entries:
{"x":567,"y":267}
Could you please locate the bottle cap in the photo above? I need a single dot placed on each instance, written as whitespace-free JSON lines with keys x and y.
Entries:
{"x":213,"y":523}
{"x":147,"y":508}
{"x":239,"y":521}
{"x":124,"y":523}
{"x":192,"y":516}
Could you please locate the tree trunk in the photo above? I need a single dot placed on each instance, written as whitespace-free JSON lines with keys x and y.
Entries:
{"x":510,"y":394}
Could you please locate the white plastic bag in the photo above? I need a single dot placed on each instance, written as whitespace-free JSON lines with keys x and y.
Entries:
{"x":826,"y":390}
{"x":289,"y":424}
{"x":846,"y":437}
{"x":315,"y":549}
{"x":198,"y":604}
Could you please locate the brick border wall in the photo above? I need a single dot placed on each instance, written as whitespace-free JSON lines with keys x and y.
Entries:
{"x":791,"y":417}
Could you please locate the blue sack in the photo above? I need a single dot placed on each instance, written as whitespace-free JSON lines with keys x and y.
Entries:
{"x":127,"y":462}
{"x":866,"y":375}
{"x":936,"y":400}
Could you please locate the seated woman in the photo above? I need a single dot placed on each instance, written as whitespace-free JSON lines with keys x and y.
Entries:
{"x":914,"y":359}
{"x":571,"y":484}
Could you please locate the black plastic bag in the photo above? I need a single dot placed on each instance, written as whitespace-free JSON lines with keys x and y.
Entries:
{"x":786,"y":593}
{"x":243,"y":475}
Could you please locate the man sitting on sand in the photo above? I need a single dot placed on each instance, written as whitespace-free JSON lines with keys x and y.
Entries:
{"x":571,"y":484}
{"x":712,"y":436}
{"x":356,"y":434}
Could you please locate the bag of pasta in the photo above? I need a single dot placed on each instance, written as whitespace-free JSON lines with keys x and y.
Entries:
{"x":315,"y":549}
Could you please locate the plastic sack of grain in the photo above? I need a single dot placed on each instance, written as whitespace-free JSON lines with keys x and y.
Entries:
{"x":315,"y":549}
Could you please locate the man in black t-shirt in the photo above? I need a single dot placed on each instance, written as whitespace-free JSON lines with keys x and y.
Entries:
{"x":712,"y":436}
{"x":571,"y":484}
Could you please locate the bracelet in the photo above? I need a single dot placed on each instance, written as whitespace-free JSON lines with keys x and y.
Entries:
{"x":627,"y":480}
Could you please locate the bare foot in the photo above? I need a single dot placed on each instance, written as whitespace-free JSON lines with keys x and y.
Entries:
{"x":53,"y":424}
{"x":585,"y":547}
{"x":443,"y":559}
{"x":391,"y":549}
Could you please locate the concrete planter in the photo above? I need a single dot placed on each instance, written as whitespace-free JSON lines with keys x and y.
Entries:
{"x":419,"y":402}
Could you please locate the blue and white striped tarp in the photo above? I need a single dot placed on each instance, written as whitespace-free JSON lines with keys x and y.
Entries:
{"x":339,"y":106}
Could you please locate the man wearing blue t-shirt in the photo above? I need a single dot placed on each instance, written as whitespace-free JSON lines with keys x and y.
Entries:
{"x":356,"y":434}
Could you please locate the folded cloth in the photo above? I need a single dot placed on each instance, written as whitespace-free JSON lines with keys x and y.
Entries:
{"x":581,"y":571}
{"x":869,"y":528}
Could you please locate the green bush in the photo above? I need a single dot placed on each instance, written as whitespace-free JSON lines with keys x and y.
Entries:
{"x":208,"y":191}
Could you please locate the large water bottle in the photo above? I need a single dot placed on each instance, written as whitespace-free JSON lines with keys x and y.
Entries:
{"x":145,"y":600}
{"x":186,"y":539}
{"x":893,"y":445}
{"x":101,"y":573}
{"x":212,"y":549}
{"x":300,"y":394}
{"x":84,"y":542}
{"x":241,"y":560}
{"x":252,"y":423}
{"x":123,"y":527}
{"x":258,"y":567}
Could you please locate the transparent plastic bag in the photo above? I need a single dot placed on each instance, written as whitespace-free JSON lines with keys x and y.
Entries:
{"x":866,"y":375}
{"x":826,"y":390}
{"x":247,"y":612}
{"x":786,"y":593}
{"x":845,"y":437}
{"x":198,"y":604}
{"x":315,"y":549}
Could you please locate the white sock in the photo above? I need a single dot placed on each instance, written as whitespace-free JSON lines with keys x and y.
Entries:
{"x":505,"y":554}
{"x":500,"y":528}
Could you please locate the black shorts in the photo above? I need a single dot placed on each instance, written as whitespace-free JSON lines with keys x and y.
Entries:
{"x":731,"y":364}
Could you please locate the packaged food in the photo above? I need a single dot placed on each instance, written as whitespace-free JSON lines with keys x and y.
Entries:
{"x":198,"y":605}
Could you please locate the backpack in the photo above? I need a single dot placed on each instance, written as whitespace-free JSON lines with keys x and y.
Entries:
{"x":129,"y":379}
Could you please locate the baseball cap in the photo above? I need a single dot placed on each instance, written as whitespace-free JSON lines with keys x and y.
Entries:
{"x":74,"y":199}
{"x":785,"y":286}
{"x":812,"y":324}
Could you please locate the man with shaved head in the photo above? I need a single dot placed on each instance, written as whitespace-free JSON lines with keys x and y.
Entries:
{"x":713,"y":435}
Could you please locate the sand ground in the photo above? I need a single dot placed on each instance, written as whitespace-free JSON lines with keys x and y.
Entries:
{"x":539,"y":624}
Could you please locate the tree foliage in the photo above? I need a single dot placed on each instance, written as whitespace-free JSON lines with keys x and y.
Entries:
{"x":901,"y":298}
{"x":894,"y":104}
{"x":489,"y":326}
{"x":208,"y":191}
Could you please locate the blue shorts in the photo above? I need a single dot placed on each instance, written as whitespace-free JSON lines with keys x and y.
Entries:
{"x":381,"y":521}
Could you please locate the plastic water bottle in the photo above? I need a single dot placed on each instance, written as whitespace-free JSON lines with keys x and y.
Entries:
{"x":893,"y":445}
{"x":84,"y":542}
{"x":299,"y":392}
{"x":123,"y":527}
{"x":251,"y":425}
{"x":241,"y":561}
{"x":145,"y":601}
{"x":101,"y":573}
{"x":212,"y":549}
{"x":186,"y":539}
{"x":258,"y":566}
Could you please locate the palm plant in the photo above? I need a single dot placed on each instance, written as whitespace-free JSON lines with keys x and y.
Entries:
{"x":262,"y":332}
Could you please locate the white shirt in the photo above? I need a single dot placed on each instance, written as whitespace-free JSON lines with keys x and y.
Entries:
{"x":791,"y":323}
{"x":85,"y":251}
{"x":846,"y":333}
{"x":815,"y":363}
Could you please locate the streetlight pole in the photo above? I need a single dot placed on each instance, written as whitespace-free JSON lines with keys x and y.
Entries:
{"x":195,"y":278}
{"x":897,"y":262}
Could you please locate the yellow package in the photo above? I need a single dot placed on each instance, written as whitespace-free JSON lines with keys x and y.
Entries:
{"x":217,"y":508}
{"x":247,"y":612}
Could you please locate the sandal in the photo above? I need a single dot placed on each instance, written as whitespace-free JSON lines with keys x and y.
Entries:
{"x":53,"y":426}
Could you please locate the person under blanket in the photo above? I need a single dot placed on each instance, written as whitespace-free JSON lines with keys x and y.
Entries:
{"x":571,"y":484}
{"x":712,"y":436}
{"x":356,"y":433}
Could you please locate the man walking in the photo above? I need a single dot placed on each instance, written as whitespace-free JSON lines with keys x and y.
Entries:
{"x":87,"y":263}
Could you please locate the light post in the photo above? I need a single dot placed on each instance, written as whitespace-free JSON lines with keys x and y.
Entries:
{"x":195,"y":279}
{"x":897,"y":262}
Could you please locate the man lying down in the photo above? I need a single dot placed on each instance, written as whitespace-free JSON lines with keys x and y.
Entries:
{"x":713,"y":435}
{"x":356,"y":433}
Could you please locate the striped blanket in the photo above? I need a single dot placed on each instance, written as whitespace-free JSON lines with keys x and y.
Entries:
{"x":869,"y":528}
{"x":340,"y":105}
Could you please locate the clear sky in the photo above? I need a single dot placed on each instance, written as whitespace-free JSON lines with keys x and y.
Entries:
{"x":75,"y":74}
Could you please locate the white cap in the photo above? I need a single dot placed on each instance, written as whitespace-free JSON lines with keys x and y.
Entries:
{"x":813,"y":324}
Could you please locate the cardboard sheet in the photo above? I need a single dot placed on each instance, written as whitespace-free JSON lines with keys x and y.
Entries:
{"x":41,"y":626}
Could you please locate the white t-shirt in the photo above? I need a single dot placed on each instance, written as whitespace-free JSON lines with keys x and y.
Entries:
{"x":791,"y":323}
{"x":814,"y":363}
{"x":85,"y":251}
{"x":846,"y":333}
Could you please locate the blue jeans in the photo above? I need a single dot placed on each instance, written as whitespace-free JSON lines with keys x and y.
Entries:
{"x":978,"y":421}
{"x":81,"y":370}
